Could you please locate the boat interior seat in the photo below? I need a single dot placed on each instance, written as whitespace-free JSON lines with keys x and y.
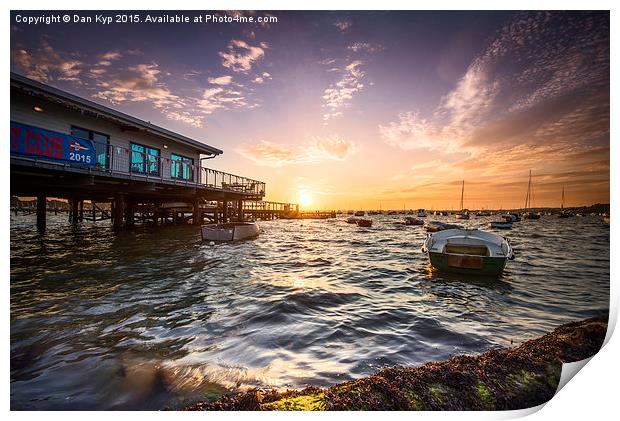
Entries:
{"x":471,"y":249}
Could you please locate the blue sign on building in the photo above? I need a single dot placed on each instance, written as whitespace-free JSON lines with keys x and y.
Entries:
{"x":46,"y":144}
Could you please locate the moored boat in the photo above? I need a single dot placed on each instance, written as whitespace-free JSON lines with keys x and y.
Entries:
{"x":410,"y":220}
{"x":422,"y":213}
{"x":464,"y":213}
{"x":360,"y":213}
{"x":352,"y":220}
{"x":468,"y":251}
{"x":435,"y":226}
{"x":502,"y":225}
{"x":564,"y":213}
{"x":528,"y":214}
{"x":232,"y":231}
{"x":364,"y":222}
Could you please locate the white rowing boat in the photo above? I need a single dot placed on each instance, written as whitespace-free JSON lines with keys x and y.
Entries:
{"x":232,"y":231}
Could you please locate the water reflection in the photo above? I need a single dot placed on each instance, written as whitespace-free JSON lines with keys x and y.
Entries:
{"x":155,"y":318}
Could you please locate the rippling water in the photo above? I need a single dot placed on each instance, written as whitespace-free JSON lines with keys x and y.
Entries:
{"x":155,"y":318}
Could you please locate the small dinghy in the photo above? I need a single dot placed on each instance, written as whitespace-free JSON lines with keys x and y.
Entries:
{"x":410,"y":220}
{"x":231,"y":231}
{"x":352,"y":220}
{"x":436,"y":226}
{"x":502,"y":225}
{"x":512,"y":217}
{"x":468,"y":251}
{"x":364,"y":222}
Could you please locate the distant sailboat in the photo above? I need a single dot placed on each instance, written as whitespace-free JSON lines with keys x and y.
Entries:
{"x":463,"y":214}
{"x":563,"y":213}
{"x":528,"y":214}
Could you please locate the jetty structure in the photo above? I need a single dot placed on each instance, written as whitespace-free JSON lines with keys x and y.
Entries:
{"x":64,"y":146}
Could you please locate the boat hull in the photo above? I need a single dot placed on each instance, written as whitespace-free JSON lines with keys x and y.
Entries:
{"x":229,"y":232}
{"x":456,"y":263}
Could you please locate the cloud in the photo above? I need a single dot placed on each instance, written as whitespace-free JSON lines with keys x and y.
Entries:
{"x":536,"y":98}
{"x":317,"y":149}
{"x":241,"y":56}
{"x":221,"y":98}
{"x":116,"y":77}
{"x":140,"y":85}
{"x":44,"y":64}
{"x":262,"y":78}
{"x":111,"y":55}
{"x":222,"y":80}
{"x":411,"y":132}
{"x":185,"y":117}
{"x":339,"y":95}
{"x":343,"y":25}
{"x":143,"y":84}
{"x":367,"y":47}
{"x":542,"y":75}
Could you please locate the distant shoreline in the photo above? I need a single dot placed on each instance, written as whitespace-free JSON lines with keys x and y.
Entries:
{"x":513,"y":378}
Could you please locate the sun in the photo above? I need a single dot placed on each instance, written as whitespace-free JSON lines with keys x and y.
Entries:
{"x":304,"y":199}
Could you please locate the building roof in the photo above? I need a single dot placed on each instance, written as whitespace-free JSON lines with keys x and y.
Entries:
{"x":56,"y":95}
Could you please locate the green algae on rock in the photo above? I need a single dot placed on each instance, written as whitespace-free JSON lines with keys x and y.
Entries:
{"x":514,"y":378}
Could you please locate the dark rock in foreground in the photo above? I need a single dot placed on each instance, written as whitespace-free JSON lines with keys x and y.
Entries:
{"x":514,"y":378}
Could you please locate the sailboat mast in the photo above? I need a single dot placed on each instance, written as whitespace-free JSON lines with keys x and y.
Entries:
{"x":562,"y":197}
{"x":527,"y":196}
{"x":462,"y":192}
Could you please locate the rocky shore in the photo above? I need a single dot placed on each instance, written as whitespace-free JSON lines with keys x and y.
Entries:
{"x":514,"y":378}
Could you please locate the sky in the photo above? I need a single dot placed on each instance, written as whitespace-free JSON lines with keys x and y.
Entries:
{"x":361,"y":110}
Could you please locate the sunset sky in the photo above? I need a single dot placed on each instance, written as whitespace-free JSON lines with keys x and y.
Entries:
{"x":362,"y":109}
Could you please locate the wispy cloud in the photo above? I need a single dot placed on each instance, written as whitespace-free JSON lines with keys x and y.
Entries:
{"x":490,"y":100}
{"x":45,"y":64}
{"x":367,"y":47}
{"x":546,"y":111}
{"x":221,"y":80}
{"x":241,"y":56}
{"x":317,"y":149}
{"x":338,"y":95}
{"x":343,"y":25}
{"x":221,"y":98}
{"x":263,"y":77}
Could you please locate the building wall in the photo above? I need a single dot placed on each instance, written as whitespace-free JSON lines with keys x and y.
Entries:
{"x":59,"y":118}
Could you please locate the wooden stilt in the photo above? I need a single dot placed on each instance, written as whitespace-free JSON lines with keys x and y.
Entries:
{"x":117,"y":212}
{"x":41,"y":213}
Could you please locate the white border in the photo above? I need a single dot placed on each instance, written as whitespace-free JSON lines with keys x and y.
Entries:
{"x":590,"y":395}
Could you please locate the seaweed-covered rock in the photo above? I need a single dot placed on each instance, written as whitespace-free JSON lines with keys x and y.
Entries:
{"x":513,"y":378}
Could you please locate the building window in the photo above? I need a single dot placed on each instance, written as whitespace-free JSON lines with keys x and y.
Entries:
{"x":101,"y":141}
{"x":144,"y":160}
{"x":181,"y":167}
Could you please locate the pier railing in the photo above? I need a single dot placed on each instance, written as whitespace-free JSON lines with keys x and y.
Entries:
{"x":114,"y":159}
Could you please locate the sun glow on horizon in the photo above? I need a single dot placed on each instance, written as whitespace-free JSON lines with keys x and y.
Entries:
{"x":304,"y":199}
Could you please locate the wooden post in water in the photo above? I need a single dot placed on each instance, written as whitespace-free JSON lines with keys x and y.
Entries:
{"x":129,"y":213}
{"x":225,"y":211}
{"x":240,"y":210}
{"x":118,"y":211}
{"x":196,"y":215}
{"x":74,"y":210}
{"x":81,"y":211}
{"x":41,"y":213}
{"x":94,"y":212}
